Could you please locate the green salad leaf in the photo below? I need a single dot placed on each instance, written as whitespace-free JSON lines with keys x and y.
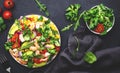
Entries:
{"x":99,"y":14}
{"x":67,"y":27}
{"x":42,"y":7}
{"x":90,"y":57}
{"x":73,"y":15}
{"x":72,"y":12}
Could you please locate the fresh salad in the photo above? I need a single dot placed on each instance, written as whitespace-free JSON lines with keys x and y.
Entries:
{"x":99,"y":19}
{"x":33,"y":41}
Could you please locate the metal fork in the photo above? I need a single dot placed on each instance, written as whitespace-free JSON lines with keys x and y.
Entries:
{"x":4,"y":62}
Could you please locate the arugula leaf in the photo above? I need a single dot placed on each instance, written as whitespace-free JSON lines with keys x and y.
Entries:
{"x":78,"y":44}
{"x":72,"y":12}
{"x":73,"y":15}
{"x":77,"y":24}
{"x":99,"y":14}
{"x":90,"y":57}
{"x":42,"y":7}
{"x":67,"y":27}
{"x":8,"y":45}
{"x":40,"y":18}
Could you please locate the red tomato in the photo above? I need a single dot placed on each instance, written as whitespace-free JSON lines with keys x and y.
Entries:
{"x":16,"y":45}
{"x":8,"y":4}
{"x":43,"y":51}
{"x":36,"y":60}
{"x":0,"y":10}
{"x":15,"y":36}
{"x":57,"y":48}
{"x":39,"y":34}
{"x":15,"y":39}
{"x":22,"y":25}
{"x":31,"y":19}
{"x":99,"y":28}
{"x":7,"y":14}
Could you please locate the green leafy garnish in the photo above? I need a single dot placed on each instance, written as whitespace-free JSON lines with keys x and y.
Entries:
{"x":1,"y":20}
{"x":77,"y":24}
{"x":67,"y":28}
{"x":8,"y":45}
{"x":73,"y":15}
{"x":99,"y":14}
{"x":72,"y":12}
{"x":2,"y":25}
{"x":40,"y":18}
{"x":90,"y":57}
{"x":78,"y":44}
{"x":42,"y":7}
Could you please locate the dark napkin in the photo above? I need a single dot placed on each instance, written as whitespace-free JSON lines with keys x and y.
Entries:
{"x":71,"y":61}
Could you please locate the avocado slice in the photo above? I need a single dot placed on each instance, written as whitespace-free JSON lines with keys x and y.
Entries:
{"x":26,"y":45}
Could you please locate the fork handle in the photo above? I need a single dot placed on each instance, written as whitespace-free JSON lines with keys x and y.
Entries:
{"x":8,"y":69}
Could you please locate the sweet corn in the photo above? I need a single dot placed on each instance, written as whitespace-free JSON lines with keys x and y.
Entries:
{"x":27,"y":22}
{"x":57,"y":36}
{"x":53,"y":27}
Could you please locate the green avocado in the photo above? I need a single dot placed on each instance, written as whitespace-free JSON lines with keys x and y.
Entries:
{"x":13,"y":29}
{"x":26,"y":45}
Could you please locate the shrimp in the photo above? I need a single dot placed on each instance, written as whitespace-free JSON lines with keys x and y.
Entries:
{"x":33,"y":48}
{"x":44,"y":59}
{"x":22,"y":61}
{"x":37,"y":52}
{"x":14,"y":52}
{"x":36,"y":44}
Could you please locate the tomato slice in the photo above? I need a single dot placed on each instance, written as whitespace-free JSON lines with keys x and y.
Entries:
{"x":39,"y":34}
{"x":36,"y":60}
{"x":23,"y":26}
{"x":31,"y":19}
{"x":57,"y":48}
{"x":43,"y":51}
{"x":15,"y":36}
{"x":16,"y":45}
{"x":15,"y":40}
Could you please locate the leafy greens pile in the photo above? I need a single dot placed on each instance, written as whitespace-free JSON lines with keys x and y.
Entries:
{"x":99,"y":14}
{"x":73,"y":16}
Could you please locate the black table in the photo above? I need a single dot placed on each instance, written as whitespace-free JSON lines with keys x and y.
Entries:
{"x":56,"y":9}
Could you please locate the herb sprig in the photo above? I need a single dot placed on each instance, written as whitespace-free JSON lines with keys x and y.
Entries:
{"x":73,"y":16}
{"x":42,"y":7}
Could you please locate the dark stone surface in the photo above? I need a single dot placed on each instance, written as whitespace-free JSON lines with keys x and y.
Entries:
{"x":56,"y":9}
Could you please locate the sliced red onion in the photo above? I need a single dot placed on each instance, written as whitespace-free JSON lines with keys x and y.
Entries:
{"x":20,"y":17}
{"x":20,"y":53}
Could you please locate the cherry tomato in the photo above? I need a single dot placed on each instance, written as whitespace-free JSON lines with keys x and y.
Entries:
{"x":57,"y":48}
{"x":36,"y":60}
{"x":8,"y":4}
{"x":99,"y":28}
{"x":7,"y":14}
{"x":0,"y":10}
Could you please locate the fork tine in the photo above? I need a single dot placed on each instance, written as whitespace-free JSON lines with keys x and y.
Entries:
{"x":1,"y":59}
{"x":5,"y":58}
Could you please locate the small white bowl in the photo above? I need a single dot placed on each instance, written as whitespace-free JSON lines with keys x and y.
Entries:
{"x":107,"y":30}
